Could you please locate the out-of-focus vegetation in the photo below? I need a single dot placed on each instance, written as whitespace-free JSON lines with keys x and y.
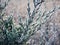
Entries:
{"x":12,"y":35}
